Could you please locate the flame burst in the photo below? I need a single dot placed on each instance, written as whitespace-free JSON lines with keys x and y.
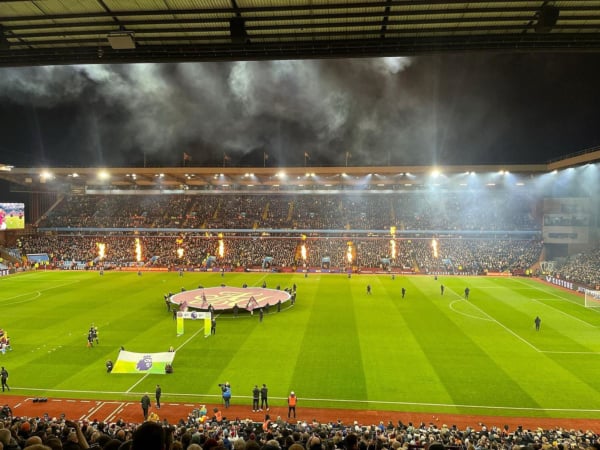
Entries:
{"x":101,"y":250}
{"x":138,"y":250}
{"x":221,"y":251}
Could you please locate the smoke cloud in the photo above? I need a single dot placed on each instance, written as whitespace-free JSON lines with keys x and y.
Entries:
{"x":450,"y":109}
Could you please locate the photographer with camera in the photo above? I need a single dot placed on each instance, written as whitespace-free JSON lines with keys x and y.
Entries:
{"x":226,"y":393}
{"x":75,"y":436}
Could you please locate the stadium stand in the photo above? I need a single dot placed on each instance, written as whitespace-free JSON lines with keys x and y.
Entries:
{"x":482,"y":232}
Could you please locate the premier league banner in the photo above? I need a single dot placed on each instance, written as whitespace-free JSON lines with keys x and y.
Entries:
{"x":130,"y":362}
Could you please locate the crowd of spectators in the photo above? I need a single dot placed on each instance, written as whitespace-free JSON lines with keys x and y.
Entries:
{"x":582,"y":267}
{"x":473,"y":256}
{"x":415,"y":211}
{"x":56,"y":434}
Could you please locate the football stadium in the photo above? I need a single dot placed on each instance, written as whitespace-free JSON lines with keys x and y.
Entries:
{"x":315,"y":306}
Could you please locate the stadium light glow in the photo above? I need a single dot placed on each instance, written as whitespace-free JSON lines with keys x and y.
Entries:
{"x":46,"y":175}
{"x":103,"y":175}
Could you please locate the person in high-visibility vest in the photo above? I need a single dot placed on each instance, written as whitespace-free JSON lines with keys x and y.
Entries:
{"x":292,"y":400}
{"x":218,"y":415}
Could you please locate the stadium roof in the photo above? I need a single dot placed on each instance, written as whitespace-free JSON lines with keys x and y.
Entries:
{"x":51,"y":32}
{"x":261,"y":179}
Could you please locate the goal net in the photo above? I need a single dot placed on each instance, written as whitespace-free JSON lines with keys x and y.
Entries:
{"x":592,"y":299}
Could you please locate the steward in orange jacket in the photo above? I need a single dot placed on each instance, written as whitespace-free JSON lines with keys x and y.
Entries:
{"x":292,"y":400}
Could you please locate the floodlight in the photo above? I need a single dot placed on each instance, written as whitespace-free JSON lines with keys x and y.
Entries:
{"x":46,"y":175}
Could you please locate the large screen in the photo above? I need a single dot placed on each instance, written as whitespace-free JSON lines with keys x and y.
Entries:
{"x":12,"y":216}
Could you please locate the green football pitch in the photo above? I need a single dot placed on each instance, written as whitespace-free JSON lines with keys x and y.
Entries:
{"x":336,"y":347}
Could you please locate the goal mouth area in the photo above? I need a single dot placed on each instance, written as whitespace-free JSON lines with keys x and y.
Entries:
{"x":592,"y":298}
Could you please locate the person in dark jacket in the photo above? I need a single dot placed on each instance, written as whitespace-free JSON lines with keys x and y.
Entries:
{"x":145,"y":402}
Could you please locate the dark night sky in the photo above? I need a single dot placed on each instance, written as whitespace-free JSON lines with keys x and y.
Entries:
{"x":476,"y":108}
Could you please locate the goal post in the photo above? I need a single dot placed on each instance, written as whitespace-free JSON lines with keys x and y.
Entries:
{"x":592,"y":298}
